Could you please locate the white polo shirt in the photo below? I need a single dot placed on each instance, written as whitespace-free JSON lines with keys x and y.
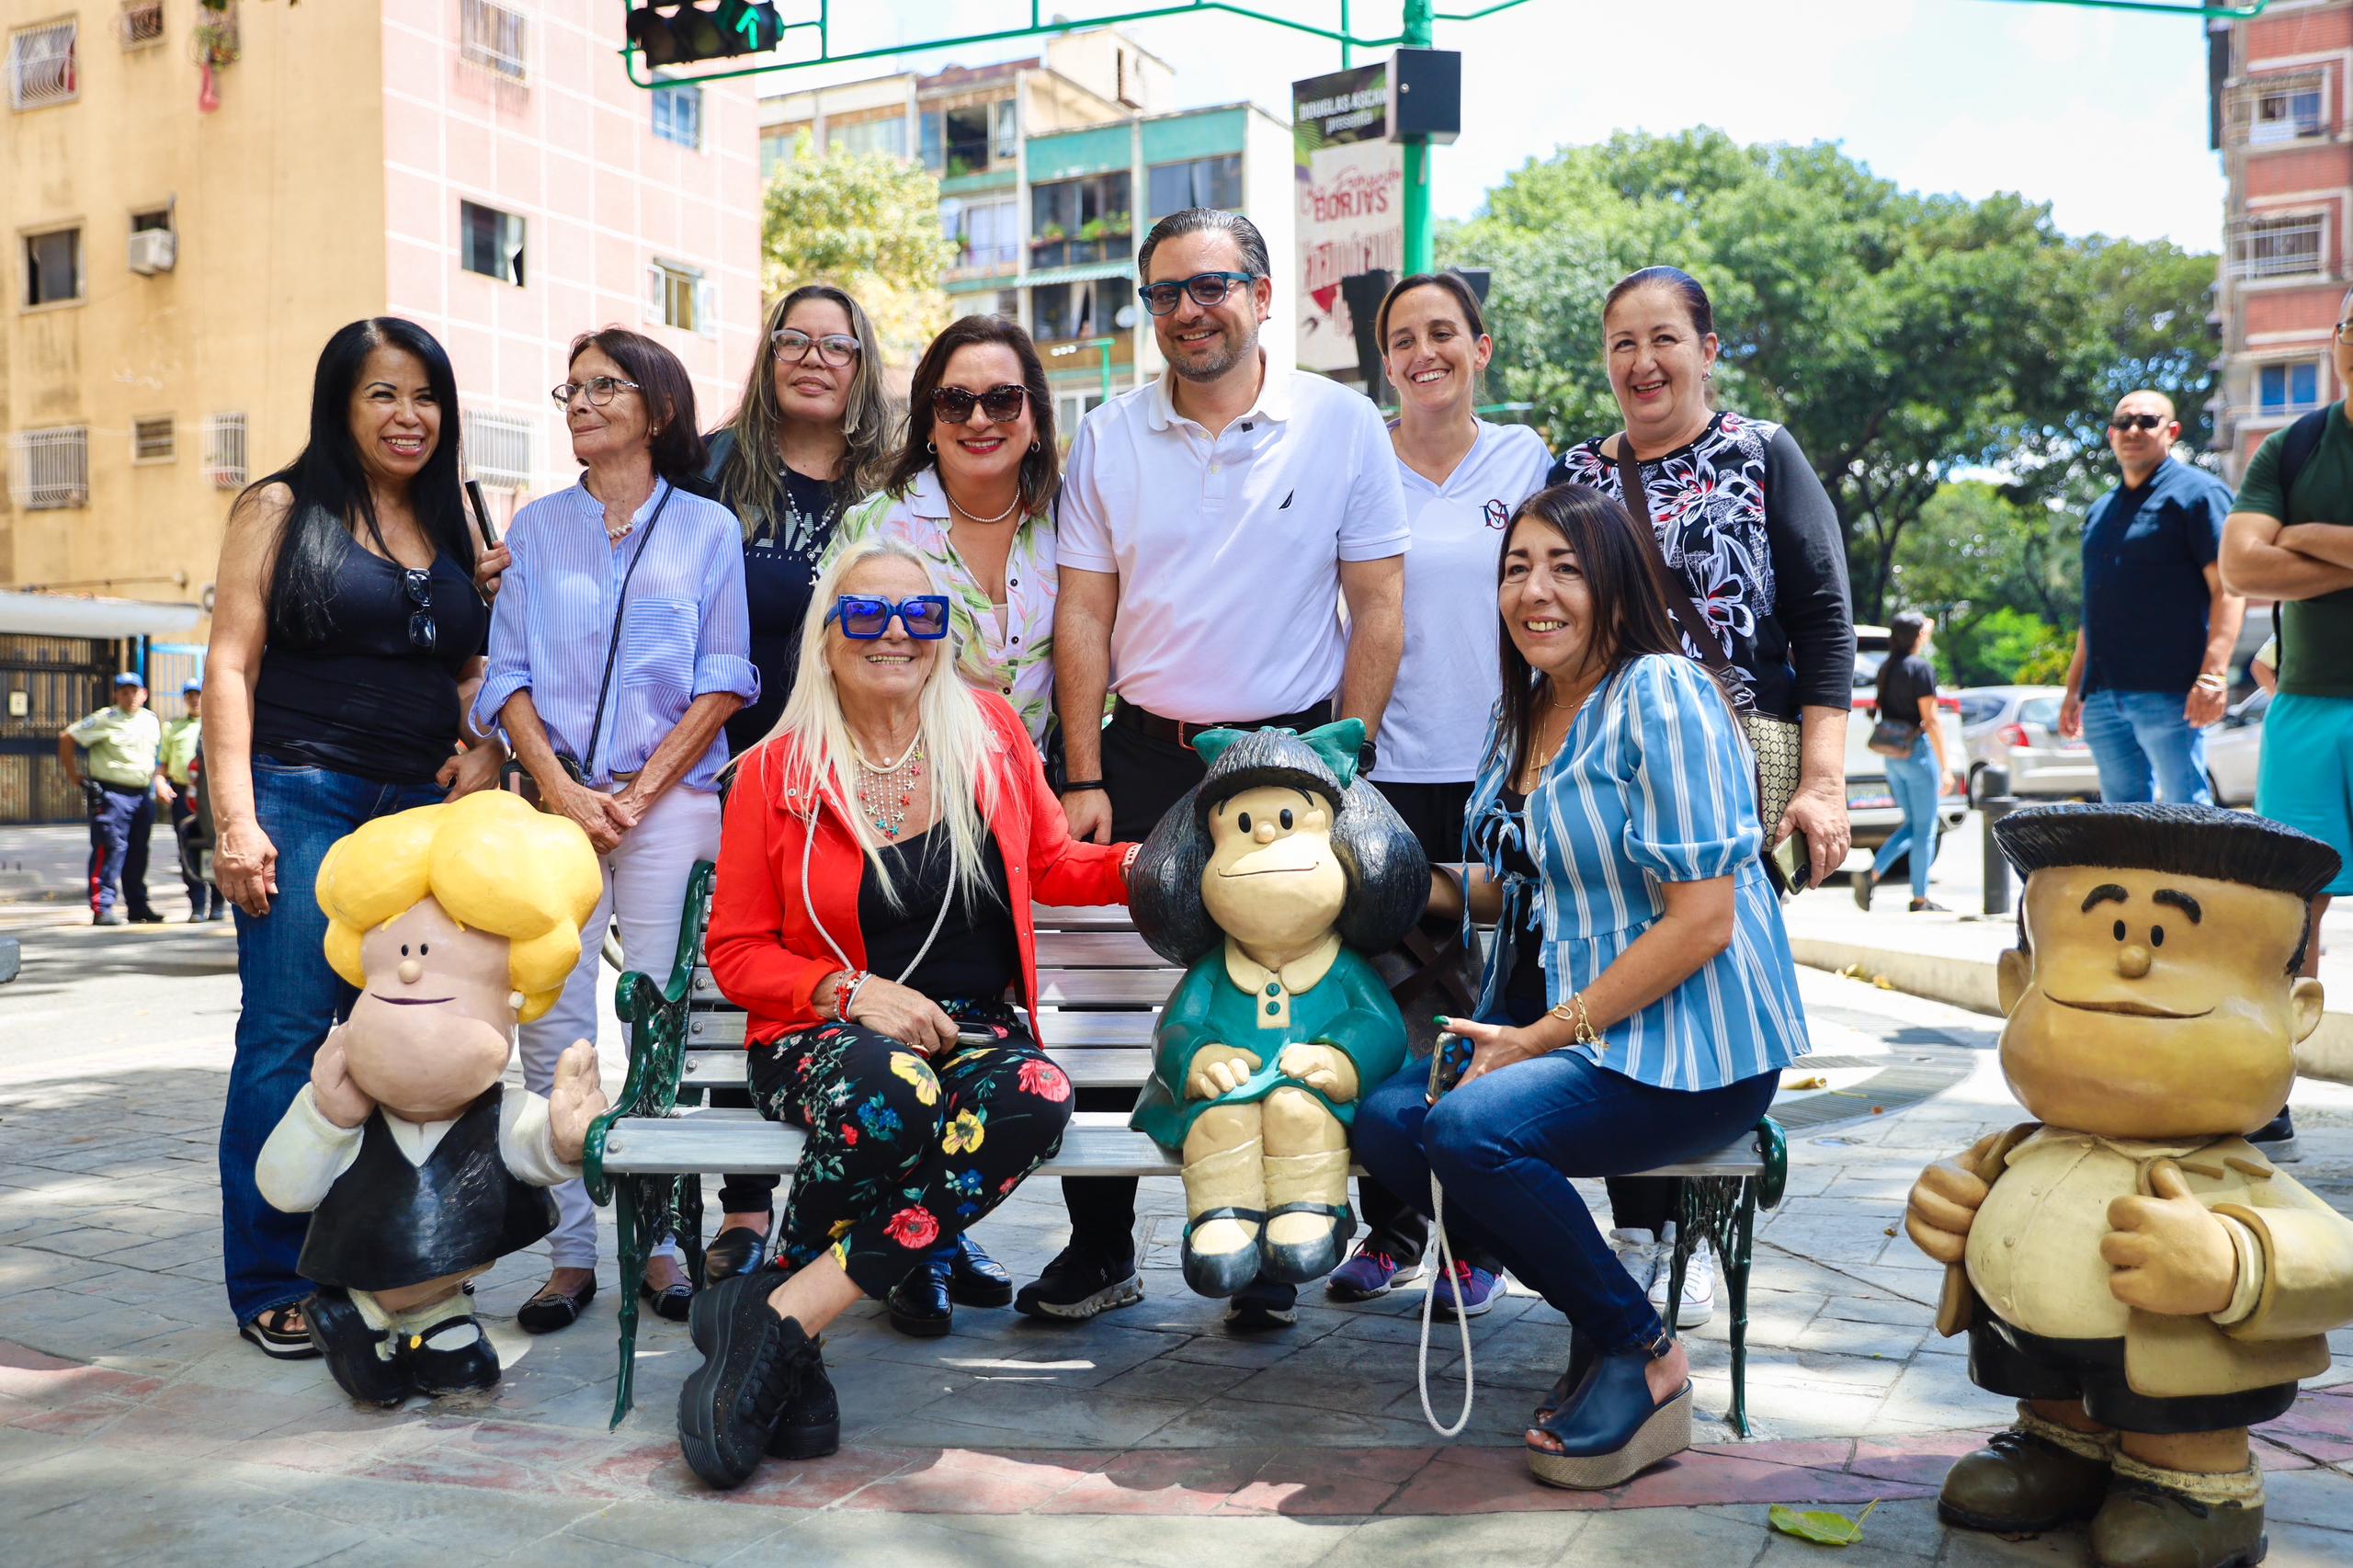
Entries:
{"x":1447,"y":680}
{"x":1228,"y":548}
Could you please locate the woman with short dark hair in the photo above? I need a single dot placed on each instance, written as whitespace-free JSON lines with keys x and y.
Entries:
{"x":347,"y":641}
{"x":618,"y":652}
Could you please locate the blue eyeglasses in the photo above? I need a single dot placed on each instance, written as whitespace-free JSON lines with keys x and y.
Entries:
{"x":866,"y":618}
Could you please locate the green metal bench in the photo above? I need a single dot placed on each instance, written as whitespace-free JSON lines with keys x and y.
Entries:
{"x":1099,"y":993}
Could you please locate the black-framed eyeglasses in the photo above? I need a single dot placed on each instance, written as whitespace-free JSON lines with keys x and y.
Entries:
{"x":422,"y":633}
{"x":600,"y":390}
{"x":834,"y":348}
{"x":953,"y":406}
{"x":866,"y":616}
{"x":2137,"y":422}
{"x":1206,"y":288}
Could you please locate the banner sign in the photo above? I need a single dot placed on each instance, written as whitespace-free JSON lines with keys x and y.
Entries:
{"x":1351,"y":232}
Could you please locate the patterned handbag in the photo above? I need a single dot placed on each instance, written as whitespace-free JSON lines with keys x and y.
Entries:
{"x":1778,"y":744}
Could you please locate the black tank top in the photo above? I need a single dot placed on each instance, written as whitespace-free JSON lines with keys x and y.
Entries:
{"x":977,"y":954}
{"x":361,"y":698}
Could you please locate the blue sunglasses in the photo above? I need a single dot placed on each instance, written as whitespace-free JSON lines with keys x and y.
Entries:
{"x":866,"y":618}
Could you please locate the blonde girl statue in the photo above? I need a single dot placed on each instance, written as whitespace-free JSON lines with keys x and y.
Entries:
{"x":418,"y":1169}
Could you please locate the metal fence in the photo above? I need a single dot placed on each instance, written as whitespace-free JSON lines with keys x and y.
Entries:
{"x":46,"y":684}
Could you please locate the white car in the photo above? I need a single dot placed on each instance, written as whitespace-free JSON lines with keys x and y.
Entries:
{"x":2016,"y":727}
{"x":2234,"y":748}
{"x":1870,"y":804}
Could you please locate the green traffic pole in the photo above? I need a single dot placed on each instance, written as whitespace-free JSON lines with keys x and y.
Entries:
{"x":1419,"y":248}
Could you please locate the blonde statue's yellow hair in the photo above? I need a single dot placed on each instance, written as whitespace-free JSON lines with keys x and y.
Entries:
{"x":492,"y":862}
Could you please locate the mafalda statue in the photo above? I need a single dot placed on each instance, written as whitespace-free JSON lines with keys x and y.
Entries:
{"x":2128,"y":1266}
{"x":417,"y":1168}
{"x":1270,"y":881}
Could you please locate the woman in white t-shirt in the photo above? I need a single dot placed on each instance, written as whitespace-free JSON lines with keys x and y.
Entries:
{"x":1464,"y":478}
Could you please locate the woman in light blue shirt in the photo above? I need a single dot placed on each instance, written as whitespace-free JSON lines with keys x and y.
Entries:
{"x":1640,"y":1000}
{"x":618,"y":647}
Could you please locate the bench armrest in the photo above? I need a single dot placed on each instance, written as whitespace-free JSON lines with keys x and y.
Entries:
{"x":1773,"y":1145}
{"x":657,"y":1043}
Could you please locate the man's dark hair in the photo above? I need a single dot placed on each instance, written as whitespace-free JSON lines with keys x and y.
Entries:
{"x":1198,"y":220}
{"x":2185,"y":841}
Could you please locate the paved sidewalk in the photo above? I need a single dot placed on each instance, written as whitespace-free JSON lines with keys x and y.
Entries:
{"x":133,"y":1424}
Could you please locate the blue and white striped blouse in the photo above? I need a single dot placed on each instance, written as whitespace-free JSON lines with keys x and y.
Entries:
{"x":685,"y":630}
{"x":1653,"y":784}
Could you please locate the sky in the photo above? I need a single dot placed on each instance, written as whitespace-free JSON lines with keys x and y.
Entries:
{"x":2100,"y":113}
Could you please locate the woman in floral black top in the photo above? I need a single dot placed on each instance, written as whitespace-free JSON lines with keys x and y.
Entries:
{"x":1747,"y":529}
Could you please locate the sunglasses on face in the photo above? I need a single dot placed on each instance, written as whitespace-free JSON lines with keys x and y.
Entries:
{"x":834,"y":348}
{"x":1002,"y":405}
{"x":2137,"y":422}
{"x":866,"y":617}
{"x":423,"y":634}
{"x":600,"y":390}
{"x":1206,"y":288}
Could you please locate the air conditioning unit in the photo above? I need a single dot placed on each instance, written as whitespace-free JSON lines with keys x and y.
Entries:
{"x":153,"y":251}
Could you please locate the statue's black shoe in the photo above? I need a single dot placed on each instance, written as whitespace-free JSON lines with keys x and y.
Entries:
{"x":359,"y":1357}
{"x":443,"y":1359}
{"x":975,"y":1278}
{"x":919,"y":1304}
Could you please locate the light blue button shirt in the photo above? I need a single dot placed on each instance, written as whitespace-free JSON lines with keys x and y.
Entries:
{"x":685,"y":631}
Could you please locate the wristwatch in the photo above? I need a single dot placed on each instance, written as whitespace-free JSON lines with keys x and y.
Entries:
{"x":1368,"y":758}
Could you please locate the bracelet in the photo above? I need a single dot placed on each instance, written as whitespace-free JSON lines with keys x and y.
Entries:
{"x":850,"y":999}
{"x":1075,"y":785}
{"x":1128,"y":861}
{"x":1572,"y":1012}
{"x":846,"y":984}
{"x":2212,"y":681}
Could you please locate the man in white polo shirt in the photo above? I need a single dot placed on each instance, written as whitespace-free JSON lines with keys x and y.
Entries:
{"x":1211,"y":525}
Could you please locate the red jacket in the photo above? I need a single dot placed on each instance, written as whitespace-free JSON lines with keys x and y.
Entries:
{"x":766,"y":953}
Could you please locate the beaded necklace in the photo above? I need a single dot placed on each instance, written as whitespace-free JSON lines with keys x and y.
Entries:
{"x":884,"y":793}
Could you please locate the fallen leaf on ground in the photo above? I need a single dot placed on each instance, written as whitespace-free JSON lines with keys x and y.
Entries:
{"x":1820,"y":1524}
{"x":1816,"y":1081}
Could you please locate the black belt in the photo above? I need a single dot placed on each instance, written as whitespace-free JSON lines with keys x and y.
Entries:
{"x":1177,"y":732}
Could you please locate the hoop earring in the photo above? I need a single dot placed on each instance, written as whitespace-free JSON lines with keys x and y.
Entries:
{"x":1033,"y":446}
{"x":930,"y":448}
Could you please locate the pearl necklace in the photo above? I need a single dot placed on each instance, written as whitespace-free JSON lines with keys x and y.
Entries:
{"x":885,"y":793}
{"x":972,"y":517}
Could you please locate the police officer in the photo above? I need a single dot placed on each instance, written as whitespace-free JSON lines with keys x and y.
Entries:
{"x":123,"y":742}
{"x":181,"y":737}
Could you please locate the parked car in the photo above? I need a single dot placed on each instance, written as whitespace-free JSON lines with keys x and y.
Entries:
{"x":1870,"y":804}
{"x":2234,"y":748}
{"x":2017,"y":728}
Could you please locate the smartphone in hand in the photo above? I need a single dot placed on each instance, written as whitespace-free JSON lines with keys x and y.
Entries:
{"x":482,"y":524}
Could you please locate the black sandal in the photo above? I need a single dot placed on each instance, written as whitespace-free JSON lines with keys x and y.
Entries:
{"x":267,"y":1331}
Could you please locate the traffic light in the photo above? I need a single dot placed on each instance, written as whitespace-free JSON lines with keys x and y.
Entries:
{"x":674,"y":32}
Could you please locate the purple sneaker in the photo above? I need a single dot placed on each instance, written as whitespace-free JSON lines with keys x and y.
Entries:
{"x":1467,"y":1291}
{"x":1369,"y":1274}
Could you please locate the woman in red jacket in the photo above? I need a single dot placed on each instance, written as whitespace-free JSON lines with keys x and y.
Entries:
{"x":881,"y":852}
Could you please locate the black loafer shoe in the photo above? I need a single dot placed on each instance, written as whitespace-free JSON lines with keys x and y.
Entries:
{"x":919,"y":1304}
{"x":672,"y":1301}
{"x":363,"y":1364}
{"x":754,"y":1365}
{"x":553,"y":1308}
{"x":443,"y":1360}
{"x":735,"y":1250}
{"x":811,"y":1424}
{"x":975,"y":1278}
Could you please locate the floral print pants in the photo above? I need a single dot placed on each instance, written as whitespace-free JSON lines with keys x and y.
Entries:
{"x":904,"y":1153}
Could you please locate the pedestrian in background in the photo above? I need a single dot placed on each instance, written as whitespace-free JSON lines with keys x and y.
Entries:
{"x":1907,"y":700}
{"x":120,"y":789}
{"x":619,"y":651}
{"x":2152,"y":658}
{"x":181,"y":737}
{"x":347,"y":641}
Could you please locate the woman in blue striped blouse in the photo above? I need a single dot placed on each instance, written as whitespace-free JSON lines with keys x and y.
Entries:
{"x":1640,"y":1000}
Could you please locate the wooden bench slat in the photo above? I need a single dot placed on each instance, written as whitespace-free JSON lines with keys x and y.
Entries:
{"x":1063,"y":1028}
{"x":1116,"y":1067}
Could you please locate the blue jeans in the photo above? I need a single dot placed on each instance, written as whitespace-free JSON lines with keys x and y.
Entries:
{"x":1913,"y":780}
{"x":2145,"y":749}
{"x":1505,"y":1147}
{"x":119,"y":831}
{"x":290,"y":999}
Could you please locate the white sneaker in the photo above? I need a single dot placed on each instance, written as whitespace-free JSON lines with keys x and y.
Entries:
{"x":1699,"y":1302}
{"x":1639,"y":1253}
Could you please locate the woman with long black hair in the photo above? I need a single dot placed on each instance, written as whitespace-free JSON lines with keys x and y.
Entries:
{"x":1908,"y":701}
{"x":346,"y":646}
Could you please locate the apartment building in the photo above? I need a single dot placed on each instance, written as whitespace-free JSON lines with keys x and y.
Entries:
{"x":2279,"y":118}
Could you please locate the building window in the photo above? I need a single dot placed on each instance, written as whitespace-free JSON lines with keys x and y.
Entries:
{"x":678,"y":115}
{"x":887,"y":135}
{"x":1070,"y":407}
{"x":1203,"y":182}
{"x":491,"y":243}
{"x":49,"y":471}
{"x":498,"y":451}
{"x":1074,"y":222}
{"x":1060,"y":311}
{"x":224,"y":450}
{"x":1008,"y":132}
{"x":40,"y":66}
{"x":142,"y":23}
{"x":2286,"y":113}
{"x":971,"y":139}
{"x":987,"y":234}
{"x":53,"y":267}
{"x":776,"y":147}
{"x":2278,"y":247}
{"x":680,"y":297}
{"x":2287,"y":389}
{"x":492,"y":36}
{"x":154,"y":441}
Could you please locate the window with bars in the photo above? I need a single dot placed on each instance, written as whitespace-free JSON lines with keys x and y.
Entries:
{"x":2285,"y":116}
{"x":498,"y":451}
{"x":48,"y":470}
{"x":154,"y":441}
{"x":224,"y":450}
{"x":490,"y":241}
{"x":492,"y":36}
{"x":52,"y":266}
{"x":2279,"y":248}
{"x":142,"y":23}
{"x":678,"y":115}
{"x":40,"y":65}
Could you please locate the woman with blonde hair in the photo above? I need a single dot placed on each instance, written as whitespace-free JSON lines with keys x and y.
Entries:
{"x":882,"y":851}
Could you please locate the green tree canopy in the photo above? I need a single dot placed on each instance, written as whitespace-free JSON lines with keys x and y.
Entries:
{"x":1902,"y":338}
{"x":869,"y":223}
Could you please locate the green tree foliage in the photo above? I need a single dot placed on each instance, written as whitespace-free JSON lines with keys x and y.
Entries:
{"x":869,"y":223}
{"x":1902,"y":338}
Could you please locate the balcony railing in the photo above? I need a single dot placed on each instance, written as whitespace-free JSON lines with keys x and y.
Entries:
{"x":2271,"y":110}
{"x":2278,"y":247}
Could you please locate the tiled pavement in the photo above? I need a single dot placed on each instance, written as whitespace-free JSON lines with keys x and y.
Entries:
{"x":132,"y":1423}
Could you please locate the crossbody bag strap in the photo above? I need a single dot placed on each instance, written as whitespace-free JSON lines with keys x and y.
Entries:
{"x":613,"y":648}
{"x":1679,"y":599}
